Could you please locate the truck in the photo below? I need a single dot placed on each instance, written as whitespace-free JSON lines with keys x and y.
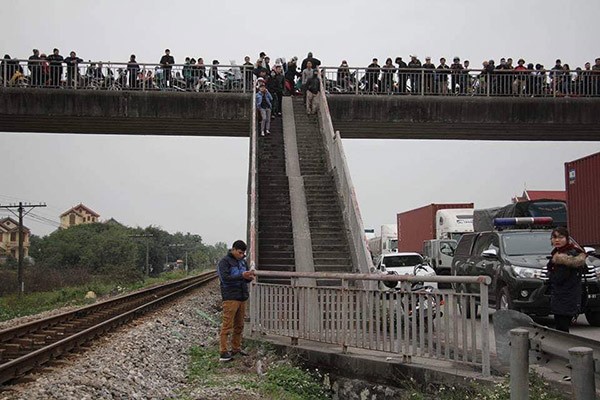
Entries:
{"x":433,"y":230}
{"x":483,"y":219}
{"x":386,"y":242}
{"x":582,"y":182}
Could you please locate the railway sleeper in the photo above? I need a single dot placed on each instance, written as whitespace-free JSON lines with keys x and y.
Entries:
{"x":11,"y":350}
{"x":25,"y":343}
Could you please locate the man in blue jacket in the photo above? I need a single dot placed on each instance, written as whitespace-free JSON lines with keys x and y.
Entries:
{"x":234,"y":278}
{"x":264,"y":104}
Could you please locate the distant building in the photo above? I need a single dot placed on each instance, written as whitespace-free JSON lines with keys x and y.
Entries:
{"x":78,"y":215}
{"x":531,"y":195}
{"x":9,"y":239}
{"x":113,"y":222}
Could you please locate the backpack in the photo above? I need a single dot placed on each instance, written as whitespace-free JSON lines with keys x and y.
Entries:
{"x":314,"y":85}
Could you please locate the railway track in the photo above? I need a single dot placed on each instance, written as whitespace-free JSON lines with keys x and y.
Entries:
{"x":29,"y":346}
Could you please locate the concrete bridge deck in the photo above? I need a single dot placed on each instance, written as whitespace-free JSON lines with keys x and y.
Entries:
{"x":358,"y":117}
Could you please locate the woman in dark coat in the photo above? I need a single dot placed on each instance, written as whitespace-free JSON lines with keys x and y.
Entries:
{"x":564,"y":272}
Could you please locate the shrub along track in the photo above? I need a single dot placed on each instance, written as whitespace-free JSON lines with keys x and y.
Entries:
{"x":28,"y":346}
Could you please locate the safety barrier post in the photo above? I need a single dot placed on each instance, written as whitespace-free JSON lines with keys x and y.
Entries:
{"x":582,"y":379}
{"x":519,"y":364}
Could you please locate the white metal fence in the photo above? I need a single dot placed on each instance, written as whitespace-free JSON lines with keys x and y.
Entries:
{"x":409,"y":321}
{"x":125,"y":76}
{"x":472,"y":82}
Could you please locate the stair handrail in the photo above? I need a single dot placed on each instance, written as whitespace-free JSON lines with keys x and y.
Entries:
{"x":359,"y":250}
{"x":252,"y":185}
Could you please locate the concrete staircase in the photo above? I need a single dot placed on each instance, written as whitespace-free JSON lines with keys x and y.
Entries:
{"x":275,"y":237}
{"x":327,"y":230}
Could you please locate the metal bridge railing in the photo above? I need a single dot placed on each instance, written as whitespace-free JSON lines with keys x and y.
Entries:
{"x":471,"y":82}
{"x":125,"y":76}
{"x":408,"y":321}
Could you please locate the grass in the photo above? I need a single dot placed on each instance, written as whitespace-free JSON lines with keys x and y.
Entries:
{"x":281,"y":380}
{"x":13,"y":306}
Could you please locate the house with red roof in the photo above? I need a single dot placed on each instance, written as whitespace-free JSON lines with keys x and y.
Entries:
{"x":531,"y":195}
{"x":9,"y":239}
{"x":78,"y":215}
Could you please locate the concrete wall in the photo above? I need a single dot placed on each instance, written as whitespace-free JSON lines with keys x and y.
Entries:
{"x":221,"y":114}
{"x":149,"y":113}
{"x":488,"y":118}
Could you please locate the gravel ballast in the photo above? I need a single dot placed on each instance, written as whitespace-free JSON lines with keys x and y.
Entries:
{"x":147,"y":359}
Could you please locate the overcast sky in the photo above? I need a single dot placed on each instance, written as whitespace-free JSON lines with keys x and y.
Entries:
{"x":199,"y":185}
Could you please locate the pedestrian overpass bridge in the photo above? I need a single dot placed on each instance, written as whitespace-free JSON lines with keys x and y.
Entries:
{"x":355,"y":116}
{"x":303,"y":216}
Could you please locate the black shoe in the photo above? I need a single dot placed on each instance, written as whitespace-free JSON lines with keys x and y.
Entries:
{"x":226,"y":357}
{"x":240,"y":353}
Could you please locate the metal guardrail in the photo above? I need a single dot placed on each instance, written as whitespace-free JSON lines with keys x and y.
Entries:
{"x":124,"y":76}
{"x":252,"y":194}
{"x":466,"y":82}
{"x":360,"y":254}
{"x":408,"y":321}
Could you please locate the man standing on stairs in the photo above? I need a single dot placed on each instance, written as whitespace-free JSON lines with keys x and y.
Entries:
{"x":264,"y":104}
{"x":313,"y":87}
{"x":234,"y":278}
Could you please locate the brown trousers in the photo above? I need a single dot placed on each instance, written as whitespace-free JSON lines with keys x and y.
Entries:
{"x":234,"y":312}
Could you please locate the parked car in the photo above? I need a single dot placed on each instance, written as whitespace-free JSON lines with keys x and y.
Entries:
{"x":405,"y":263}
{"x":516,"y":259}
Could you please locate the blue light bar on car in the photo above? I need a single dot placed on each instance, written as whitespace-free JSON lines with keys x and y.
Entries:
{"x":523,"y":221}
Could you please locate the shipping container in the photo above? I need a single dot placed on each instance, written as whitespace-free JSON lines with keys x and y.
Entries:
{"x":418,"y":225}
{"x":582,"y":182}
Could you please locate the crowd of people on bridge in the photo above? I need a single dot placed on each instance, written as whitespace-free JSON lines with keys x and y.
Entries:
{"x":287,"y":77}
{"x":459,"y":78}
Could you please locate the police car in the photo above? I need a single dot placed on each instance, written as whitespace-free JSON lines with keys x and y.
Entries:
{"x":515,"y":260}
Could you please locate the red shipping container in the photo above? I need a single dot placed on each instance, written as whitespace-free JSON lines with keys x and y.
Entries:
{"x":416,"y":226}
{"x":582,"y":182}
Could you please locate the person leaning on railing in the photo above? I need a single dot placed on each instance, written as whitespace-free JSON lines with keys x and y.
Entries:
{"x":343,"y":75}
{"x":34,"y":66}
{"x":56,"y":69}
{"x":72,"y":68}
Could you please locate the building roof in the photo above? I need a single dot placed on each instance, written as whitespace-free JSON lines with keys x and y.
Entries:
{"x":5,"y":228}
{"x":531,"y":195}
{"x":78,"y":208}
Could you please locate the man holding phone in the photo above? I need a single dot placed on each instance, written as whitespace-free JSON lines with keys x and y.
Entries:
{"x":234,"y":277}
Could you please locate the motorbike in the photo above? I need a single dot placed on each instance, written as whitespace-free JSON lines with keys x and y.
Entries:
{"x":426,"y":299}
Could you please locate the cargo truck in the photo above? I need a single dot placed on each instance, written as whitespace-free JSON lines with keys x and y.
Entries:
{"x":582,"y":182}
{"x":433,"y":231}
{"x":385,"y":242}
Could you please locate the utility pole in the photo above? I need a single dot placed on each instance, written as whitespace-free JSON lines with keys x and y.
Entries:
{"x":21,"y":213}
{"x":147,"y":236}
{"x":186,"y":254}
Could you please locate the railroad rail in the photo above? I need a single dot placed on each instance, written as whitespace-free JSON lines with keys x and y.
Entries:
{"x":28,"y":346}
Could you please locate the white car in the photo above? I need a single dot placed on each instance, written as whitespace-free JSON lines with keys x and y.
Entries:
{"x":404,"y":264}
